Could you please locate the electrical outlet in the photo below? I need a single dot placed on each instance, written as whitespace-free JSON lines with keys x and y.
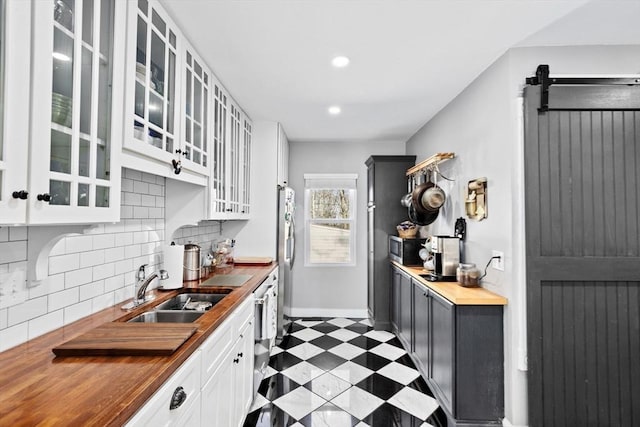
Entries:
{"x":12,"y":288}
{"x":497,"y":263}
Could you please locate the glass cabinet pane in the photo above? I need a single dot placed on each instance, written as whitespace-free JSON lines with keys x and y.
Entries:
{"x":85,"y":91}
{"x":84,"y":158}
{"x":87,"y":21}
{"x":62,"y":98}
{"x":83,"y":194}
{"x":60,"y":192}
{"x":63,"y":13}
{"x":141,"y":49}
{"x":102,"y":196}
{"x":157,"y":64}
{"x":60,"y":160}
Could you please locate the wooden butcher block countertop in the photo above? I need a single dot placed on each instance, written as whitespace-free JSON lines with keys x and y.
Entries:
{"x":38,"y":388}
{"x":452,"y":291}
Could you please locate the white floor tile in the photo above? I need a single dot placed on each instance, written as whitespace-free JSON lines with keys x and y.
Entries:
{"x":362,"y":424}
{"x":329,"y":415}
{"x":399,"y":373}
{"x":307,"y":334}
{"x":303,"y":372}
{"x":347,"y":351}
{"x":367,"y":322}
{"x":357,"y":402}
{"x":341,"y":322}
{"x":417,"y":404}
{"x":329,"y":386}
{"x":382,"y":336}
{"x":270,"y":372}
{"x":343,"y":334}
{"x":275,"y":350}
{"x":308,"y":323}
{"x":258,"y":402}
{"x":351,"y":372}
{"x":299,"y":402}
{"x":305,"y":351}
{"x":391,"y":352}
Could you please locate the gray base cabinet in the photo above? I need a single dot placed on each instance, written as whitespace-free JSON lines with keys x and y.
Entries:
{"x":458,"y":349}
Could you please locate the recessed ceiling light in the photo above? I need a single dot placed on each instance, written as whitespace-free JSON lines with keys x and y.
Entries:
{"x":334,"y":110}
{"x":340,"y":61}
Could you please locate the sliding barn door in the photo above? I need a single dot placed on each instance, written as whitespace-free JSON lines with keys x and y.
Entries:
{"x":582,"y":183}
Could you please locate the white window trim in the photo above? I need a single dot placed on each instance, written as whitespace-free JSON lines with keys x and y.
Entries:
{"x":346,"y":181}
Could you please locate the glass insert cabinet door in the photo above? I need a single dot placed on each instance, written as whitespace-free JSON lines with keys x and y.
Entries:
{"x":195,"y":137}
{"x":74,"y":157}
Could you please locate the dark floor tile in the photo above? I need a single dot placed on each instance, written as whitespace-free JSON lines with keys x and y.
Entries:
{"x":365,"y":342}
{"x":289,"y":341}
{"x":326,"y":361}
{"x":438,"y":418}
{"x":276,"y":385}
{"x":325,"y":327}
{"x":329,"y":415}
{"x":420,"y":385}
{"x":356,"y":319}
{"x":395,"y":342}
{"x":359,"y":328}
{"x":326,"y":342}
{"x":380,"y":386}
{"x":406,"y":361}
{"x":371,"y":361}
{"x":269,"y":416}
{"x":388,"y":415}
{"x":284,"y":360}
{"x":294,"y":327}
{"x":315,"y":319}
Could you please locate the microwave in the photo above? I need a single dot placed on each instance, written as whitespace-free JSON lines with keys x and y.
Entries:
{"x":405,"y":251}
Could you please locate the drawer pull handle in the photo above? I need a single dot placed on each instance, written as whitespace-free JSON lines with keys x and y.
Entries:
{"x":239,"y":354}
{"x":44,"y":197}
{"x":22,"y":195}
{"x":178,"y":398}
{"x":236,"y":360}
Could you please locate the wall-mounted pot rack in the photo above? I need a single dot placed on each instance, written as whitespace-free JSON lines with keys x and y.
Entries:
{"x":428,"y":164}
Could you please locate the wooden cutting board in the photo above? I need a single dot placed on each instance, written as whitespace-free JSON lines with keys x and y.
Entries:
{"x":128,"y":339}
{"x":253,"y":260}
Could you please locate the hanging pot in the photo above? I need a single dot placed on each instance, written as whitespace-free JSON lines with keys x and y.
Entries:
{"x":419,"y":218}
{"x":416,"y":196}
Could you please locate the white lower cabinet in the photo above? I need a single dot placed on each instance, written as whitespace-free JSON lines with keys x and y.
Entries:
{"x":217,"y":380}
{"x":177,"y":402}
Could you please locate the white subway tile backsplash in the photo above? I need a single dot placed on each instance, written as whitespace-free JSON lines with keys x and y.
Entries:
{"x":123,"y":293}
{"x":123,"y":239}
{"x":48,"y":285}
{"x":77,"y":311}
{"x":79,"y":243}
{"x":13,"y":251}
{"x":103,"y":241}
{"x":113,"y":283}
{"x":156,"y":213}
{"x":140,"y":187}
{"x":78,"y":277}
{"x":95,"y":229}
{"x":4,"y":234}
{"x":131,"y":199}
{"x":116,"y":227}
{"x":156,"y":190}
{"x":91,"y":258}
{"x":63,"y":299}
{"x":140,"y":212}
{"x":62,"y":263}
{"x":132,"y":174}
{"x":126,"y":185}
{"x":132,"y":251}
{"x":13,"y":335}
{"x":28,"y":310}
{"x":124,"y":266}
{"x":18,"y":233}
{"x":3,"y":318}
{"x":132,"y":225}
{"x":140,"y":237}
{"x":148,"y":200}
{"x":103,"y":271}
{"x":60,"y":248}
{"x":126,"y":212}
{"x":46,"y":323}
{"x":102,"y":301}
{"x":91,"y":290}
{"x":159,"y":202}
{"x":149,"y":178}
{"x":113,"y":254}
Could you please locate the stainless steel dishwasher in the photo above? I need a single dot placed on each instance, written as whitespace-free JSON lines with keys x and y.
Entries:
{"x":266,"y":317}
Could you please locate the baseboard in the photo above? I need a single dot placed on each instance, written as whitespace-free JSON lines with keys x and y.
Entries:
{"x":507,"y":423}
{"x":328,"y":312}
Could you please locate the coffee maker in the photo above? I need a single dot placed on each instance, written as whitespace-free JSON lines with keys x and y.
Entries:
{"x":446,"y":254}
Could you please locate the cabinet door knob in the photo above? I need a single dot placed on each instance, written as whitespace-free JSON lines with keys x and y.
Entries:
{"x":22,"y":195}
{"x":236,"y":360}
{"x":46,"y":197}
{"x":178,"y":398}
{"x":240,"y":355}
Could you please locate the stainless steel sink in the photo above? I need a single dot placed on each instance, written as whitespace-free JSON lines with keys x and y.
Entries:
{"x":192,"y":301}
{"x":160,"y":316}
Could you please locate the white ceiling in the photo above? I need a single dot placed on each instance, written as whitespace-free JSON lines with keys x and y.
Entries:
{"x":409,"y":58}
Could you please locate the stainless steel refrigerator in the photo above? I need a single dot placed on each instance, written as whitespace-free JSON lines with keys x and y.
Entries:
{"x":286,"y":254}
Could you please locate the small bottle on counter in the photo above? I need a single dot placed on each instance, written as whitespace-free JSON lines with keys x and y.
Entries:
{"x":468,"y":275}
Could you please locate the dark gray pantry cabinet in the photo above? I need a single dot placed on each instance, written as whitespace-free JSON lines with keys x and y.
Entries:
{"x":458,"y":349}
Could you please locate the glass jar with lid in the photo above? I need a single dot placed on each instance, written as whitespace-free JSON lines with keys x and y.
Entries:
{"x":468,"y":275}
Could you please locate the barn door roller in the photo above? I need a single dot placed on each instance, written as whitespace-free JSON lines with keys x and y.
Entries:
{"x":543,"y":79}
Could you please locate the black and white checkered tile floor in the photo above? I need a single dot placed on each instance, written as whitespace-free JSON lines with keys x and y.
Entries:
{"x":340,"y":372}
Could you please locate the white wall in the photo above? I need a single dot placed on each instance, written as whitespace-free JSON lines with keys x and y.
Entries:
{"x":481,"y":126}
{"x":332,"y":291}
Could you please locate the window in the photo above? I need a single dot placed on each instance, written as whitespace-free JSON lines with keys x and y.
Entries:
{"x":330,"y":219}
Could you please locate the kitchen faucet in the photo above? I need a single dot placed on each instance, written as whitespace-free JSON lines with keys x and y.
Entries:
{"x":142,"y":282}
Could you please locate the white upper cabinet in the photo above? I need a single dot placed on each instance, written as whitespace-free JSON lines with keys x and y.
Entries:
{"x":164,"y":93}
{"x":76,"y":85}
{"x":229,"y":185}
